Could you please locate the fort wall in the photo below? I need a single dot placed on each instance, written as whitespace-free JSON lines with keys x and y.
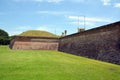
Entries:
{"x":34,"y":43}
{"x":102,"y":43}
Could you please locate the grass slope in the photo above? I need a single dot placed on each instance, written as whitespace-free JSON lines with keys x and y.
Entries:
{"x":38,"y":33}
{"x":52,"y":65}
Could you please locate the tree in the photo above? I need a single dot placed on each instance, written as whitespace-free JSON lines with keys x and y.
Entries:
{"x":3,"y":33}
{"x":4,"y":38}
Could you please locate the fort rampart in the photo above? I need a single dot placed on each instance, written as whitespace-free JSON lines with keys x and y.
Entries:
{"x":34,"y":43}
{"x":102,"y":43}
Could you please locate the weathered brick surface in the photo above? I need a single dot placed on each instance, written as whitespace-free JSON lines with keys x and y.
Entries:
{"x":34,"y":43}
{"x":101,"y":43}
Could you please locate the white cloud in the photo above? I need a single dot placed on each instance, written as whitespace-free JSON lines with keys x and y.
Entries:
{"x":98,"y":19}
{"x":80,"y":1}
{"x":28,"y":0}
{"x":49,"y":1}
{"x":106,"y":2}
{"x":82,"y":23}
{"x":91,"y":19}
{"x":117,"y":5}
{"x":73,"y":17}
{"x":53,"y":12}
{"x":87,"y":21}
{"x":37,"y":0}
{"x":110,"y":2}
{"x":56,"y":1}
{"x":21,"y":0}
{"x":43,"y":28}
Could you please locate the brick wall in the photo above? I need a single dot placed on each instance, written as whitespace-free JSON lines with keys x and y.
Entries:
{"x":34,"y":43}
{"x":102,"y":43}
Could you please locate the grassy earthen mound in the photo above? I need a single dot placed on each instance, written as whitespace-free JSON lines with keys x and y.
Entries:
{"x":38,"y":33}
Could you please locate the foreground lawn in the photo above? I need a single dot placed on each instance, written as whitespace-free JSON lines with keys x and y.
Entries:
{"x":52,"y":65}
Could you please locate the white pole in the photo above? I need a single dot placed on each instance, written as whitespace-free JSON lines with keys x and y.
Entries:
{"x":84,"y":22}
{"x":78,"y":22}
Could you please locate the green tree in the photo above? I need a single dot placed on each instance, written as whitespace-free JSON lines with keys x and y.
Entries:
{"x":3,"y":33}
{"x":4,"y":37}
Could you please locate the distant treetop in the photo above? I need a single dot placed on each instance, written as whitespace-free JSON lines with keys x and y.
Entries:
{"x":3,"y":33}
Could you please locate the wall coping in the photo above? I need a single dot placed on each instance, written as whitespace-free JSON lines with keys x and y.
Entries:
{"x":92,"y":30}
{"x":35,"y":37}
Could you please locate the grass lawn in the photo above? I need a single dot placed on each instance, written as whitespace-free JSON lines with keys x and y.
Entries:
{"x":52,"y":65}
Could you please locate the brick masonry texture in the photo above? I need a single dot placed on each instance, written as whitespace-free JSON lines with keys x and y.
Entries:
{"x":102,"y":43}
{"x":34,"y":43}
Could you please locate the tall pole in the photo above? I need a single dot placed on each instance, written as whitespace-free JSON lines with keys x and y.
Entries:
{"x":83,"y":21}
{"x":78,"y":22}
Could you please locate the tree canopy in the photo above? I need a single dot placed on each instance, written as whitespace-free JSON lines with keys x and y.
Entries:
{"x":4,"y":37}
{"x":3,"y":33}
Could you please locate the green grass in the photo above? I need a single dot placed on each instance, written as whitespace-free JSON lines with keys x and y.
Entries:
{"x":52,"y":65}
{"x":38,"y":33}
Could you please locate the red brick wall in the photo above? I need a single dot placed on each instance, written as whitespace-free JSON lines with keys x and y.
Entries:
{"x":33,"y":43}
{"x":101,"y":43}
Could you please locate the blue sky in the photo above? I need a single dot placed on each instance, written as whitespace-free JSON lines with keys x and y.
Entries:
{"x":17,"y":16}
